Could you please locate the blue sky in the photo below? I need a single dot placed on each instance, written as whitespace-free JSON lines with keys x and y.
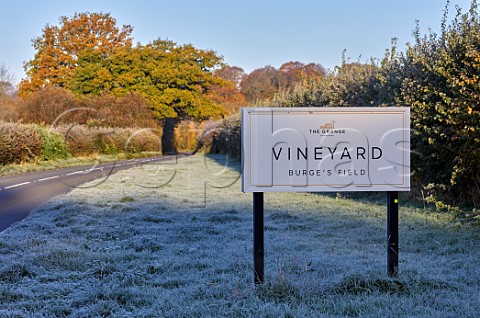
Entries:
{"x":247,"y":33}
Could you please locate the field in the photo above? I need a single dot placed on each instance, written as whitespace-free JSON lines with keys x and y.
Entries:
{"x":176,"y":241}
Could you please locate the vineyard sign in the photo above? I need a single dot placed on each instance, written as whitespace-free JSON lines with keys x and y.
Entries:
{"x":326,"y":149}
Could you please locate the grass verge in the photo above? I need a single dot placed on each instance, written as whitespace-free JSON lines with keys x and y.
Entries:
{"x":175,"y":240}
{"x":41,"y":165}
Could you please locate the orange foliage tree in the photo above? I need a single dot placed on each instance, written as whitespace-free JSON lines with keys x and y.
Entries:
{"x":58,"y":48}
{"x":175,"y":79}
{"x":262,"y":84}
{"x":228,"y":95}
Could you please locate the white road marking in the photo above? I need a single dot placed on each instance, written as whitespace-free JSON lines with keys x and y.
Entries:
{"x":72,"y":173}
{"x":16,"y":185}
{"x":133,"y":162}
{"x":49,"y":178}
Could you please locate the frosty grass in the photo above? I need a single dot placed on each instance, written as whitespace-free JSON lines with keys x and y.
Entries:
{"x":175,"y":240}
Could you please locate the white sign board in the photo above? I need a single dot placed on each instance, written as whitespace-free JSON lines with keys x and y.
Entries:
{"x":326,"y":149}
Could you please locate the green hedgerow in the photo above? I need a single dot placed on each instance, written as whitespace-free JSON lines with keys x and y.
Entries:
{"x":53,"y":143}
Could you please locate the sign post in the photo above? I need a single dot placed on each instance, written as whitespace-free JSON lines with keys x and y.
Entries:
{"x":392,"y":233}
{"x":258,"y":238}
{"x":327,"y":149}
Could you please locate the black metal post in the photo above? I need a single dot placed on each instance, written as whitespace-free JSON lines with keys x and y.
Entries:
{"x":258,"y":238}
{"x":392,"y":233}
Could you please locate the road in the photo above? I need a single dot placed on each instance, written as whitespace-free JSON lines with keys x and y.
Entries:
{"x":19,"y":195}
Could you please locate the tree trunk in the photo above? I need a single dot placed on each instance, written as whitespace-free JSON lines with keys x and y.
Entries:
{"x":168,"y":137}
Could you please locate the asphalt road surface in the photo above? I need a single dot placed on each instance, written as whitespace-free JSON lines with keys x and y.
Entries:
{"x":19,"y":195}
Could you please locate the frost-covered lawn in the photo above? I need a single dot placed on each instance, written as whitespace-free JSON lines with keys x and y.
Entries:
{"x":131,"y":247}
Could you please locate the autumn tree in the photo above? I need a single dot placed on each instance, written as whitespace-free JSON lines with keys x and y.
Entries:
{"x":46,"y":105}
{"x":262,"y":84}
{"x":228,"y":94}
{"x":233,"y":74}
{"x":175,"y":79}
{"x":59,"y":47}
{"x":296,"y":72}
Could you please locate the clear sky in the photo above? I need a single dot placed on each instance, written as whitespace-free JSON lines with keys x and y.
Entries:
{"x":247,"y":33}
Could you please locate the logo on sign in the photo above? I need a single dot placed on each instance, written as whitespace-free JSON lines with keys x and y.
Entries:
{"x":330,"y":125}
{"x":327,"y":129}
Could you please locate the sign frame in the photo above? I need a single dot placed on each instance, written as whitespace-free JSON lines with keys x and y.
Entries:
{"x":371,"y":157}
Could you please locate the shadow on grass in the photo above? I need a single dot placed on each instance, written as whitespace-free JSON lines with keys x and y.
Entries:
{"x":377,"y":198}
{"x":226,"y":161}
